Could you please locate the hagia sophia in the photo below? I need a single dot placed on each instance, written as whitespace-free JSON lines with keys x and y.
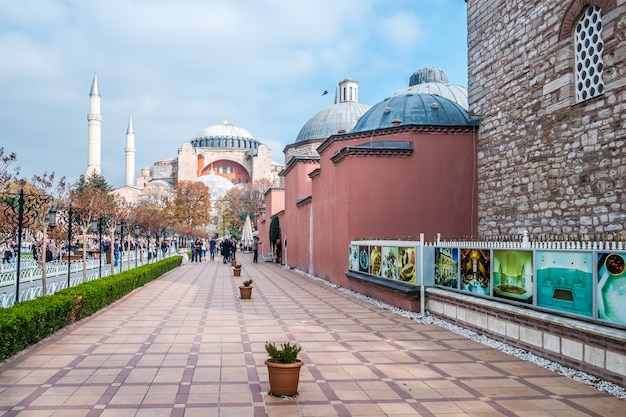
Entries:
{"x":220,"y":156}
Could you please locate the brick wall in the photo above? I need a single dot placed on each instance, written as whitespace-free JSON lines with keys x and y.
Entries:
{"x":545,"y":163}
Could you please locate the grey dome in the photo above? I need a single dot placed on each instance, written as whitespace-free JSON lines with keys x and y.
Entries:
{"x":332,"y":119}
{"x":428,"y":75}
{"x":414,"y":109}
{"x":218,"y":186}
{"x":224,"y":135}
{"x":452,"y":92}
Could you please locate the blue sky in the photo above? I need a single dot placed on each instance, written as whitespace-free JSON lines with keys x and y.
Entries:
{"x":180,"y":66}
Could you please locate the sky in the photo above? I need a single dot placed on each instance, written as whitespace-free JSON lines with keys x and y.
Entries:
{"x":181,"y":66}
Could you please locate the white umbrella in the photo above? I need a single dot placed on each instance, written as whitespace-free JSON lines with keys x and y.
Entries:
{"x":246,"y":234}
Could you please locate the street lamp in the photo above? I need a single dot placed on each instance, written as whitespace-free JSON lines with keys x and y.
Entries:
{"x":148,"y":232}
{"x":96,"y":225}
{"x":119,"y":229}
{"x":26,"y":208}
{"x":136,"y":242}
{"x":163,"y":242}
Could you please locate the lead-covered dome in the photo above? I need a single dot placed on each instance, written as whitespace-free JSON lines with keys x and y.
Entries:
{"x":429,"y":100}
{"x":332,"y":119}
{"x":414,"y":109}
{"x":224,"y":135}
{"x":218,"y":186}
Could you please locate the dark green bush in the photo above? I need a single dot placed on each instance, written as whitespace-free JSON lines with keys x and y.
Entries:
{"x":28,"y":322}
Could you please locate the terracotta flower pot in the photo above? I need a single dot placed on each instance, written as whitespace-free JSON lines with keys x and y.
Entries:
{"x":233,"y":262}
{"x":237,"y":272}
{"x":284,"y":378}
{"x":245,"y":292}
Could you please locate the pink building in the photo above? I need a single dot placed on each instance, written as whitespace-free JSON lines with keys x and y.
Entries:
{"x":407,"y":167}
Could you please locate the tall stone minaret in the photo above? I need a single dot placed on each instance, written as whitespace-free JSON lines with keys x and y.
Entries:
{"x":94,"y":134}
{"x":130,"y":153}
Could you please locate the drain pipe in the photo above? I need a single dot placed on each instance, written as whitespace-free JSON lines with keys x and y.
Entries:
{"x":422,"y":274}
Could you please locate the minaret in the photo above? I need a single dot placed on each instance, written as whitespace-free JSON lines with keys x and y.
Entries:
{"x":130,"y":153}
{"x":94,"y":134}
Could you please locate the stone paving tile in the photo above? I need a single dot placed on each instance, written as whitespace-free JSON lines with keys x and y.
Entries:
{"x":186,"y":345}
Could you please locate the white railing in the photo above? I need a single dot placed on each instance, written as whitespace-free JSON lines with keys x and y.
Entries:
{"x":31,"y":272}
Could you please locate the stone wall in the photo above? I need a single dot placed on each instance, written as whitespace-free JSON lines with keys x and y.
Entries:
{"x":546,"y":164}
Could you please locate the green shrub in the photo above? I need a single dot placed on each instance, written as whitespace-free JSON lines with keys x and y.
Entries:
{"x":28,"y":322}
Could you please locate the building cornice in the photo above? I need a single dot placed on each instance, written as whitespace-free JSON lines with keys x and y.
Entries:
{"x":295,"y":159}
{"x":395,"y":130}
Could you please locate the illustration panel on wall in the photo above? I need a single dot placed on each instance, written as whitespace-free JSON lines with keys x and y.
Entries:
{"x":475,"y":271}
{"x":447,"y":267}
{"x":406,"y":264}
{"x":364,"y":259}
{"x":513,"y":275}
{"x":565,"y":281}
{"x":353,"y":258}
{"x":390,"y":262}
{"x":612,"y":287}
{"x":376,"y":260}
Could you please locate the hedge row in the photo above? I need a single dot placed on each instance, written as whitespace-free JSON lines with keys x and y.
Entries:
{"x":28,"y":322}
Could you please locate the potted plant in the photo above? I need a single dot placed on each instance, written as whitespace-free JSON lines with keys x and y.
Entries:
{"x":233,"y":262}
{"x":283,"y":368}
{"x":237,"y":270}
{"x":245,"y":290}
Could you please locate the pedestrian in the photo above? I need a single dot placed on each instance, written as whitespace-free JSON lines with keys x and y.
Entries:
{"x":226,"y":250}
{"x":278,"y":251}
{"x":203,"y":249}
{"x":7,"y":256}
{"x":163,"y":247}
{"x":198,"y":247}
{"x":212,"y":244}
{"x":33,"y":249}
{"x":107,"y":250}
{"x":255,"y":249}
{"x":116,"y":252}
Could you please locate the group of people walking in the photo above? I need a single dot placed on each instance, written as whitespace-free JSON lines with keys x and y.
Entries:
{"x":228,"y":249}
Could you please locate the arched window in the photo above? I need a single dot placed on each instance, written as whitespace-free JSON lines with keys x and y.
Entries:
{"x":589,"y":45}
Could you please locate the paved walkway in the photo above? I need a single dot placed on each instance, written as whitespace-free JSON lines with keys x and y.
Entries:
{"x":186,"y":345}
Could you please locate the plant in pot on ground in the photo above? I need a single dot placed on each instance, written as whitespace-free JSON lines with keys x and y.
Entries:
{"x":283,"y":367}
{"x":245,"y":290}
{"x":237,"y":270}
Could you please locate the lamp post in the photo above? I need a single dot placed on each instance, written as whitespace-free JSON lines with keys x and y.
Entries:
{"x":163,"y":242}
{"x":69,"y":242}
{"x":148,"y":237}
{"x":136,"y":242}
{"x":119,"y":229}
{"x":96,"y":225}
{"x":22,"y":210}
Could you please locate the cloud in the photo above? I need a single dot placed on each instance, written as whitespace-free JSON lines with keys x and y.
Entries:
{"x":180,"y":66}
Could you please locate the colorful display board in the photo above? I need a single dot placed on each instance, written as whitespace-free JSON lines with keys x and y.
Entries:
{"x":476,"y":271}
{"x":447,"y":267}
{"x":513,"y":275}
{"x":611,"y":290}
{"x":578,"y":282}
{"x":565,"y":281}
